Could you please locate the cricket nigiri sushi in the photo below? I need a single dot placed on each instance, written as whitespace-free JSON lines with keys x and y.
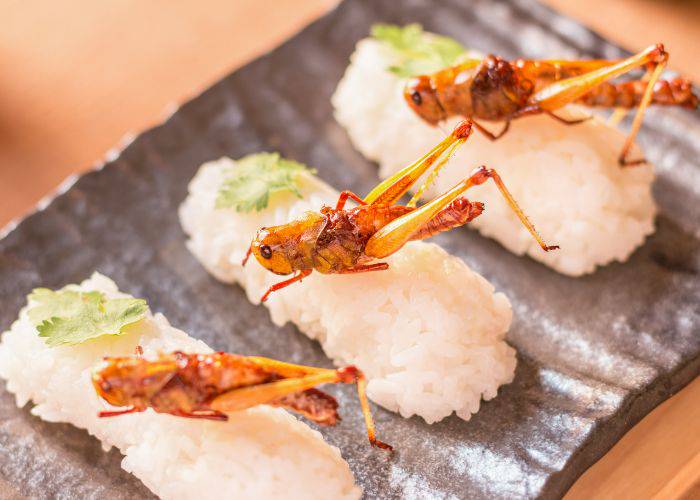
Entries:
{"x":261,"y":452}
{"x":428,"y":332}
{"x":566,"y":177}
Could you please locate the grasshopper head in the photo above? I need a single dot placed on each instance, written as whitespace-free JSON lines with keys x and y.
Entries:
{"x":131,"y":381}
{"x":287,"y":248}
{"x":270,"y":249}
{"x":422,"y":98}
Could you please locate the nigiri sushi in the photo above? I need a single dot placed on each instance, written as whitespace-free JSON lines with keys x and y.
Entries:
{"x":262,"y":452}
{"x":566,"y":178}
{"x":428,"y":332}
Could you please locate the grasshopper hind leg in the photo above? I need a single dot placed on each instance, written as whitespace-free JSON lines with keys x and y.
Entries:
{"x":391,"y":189}
{"x":398,"y":232}
{"x":563,"y":92}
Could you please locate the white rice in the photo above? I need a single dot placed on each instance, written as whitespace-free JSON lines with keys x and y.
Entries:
{"x":263,"y":452}
{"x":428,"y":332}
{"x":566,"y":178}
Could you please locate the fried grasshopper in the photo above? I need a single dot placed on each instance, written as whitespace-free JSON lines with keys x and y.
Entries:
{"x":208,"y":386}
{"x":344,"y":240}
{"x":494,"y":89}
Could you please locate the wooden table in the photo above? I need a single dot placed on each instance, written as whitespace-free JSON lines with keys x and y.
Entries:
{"x":77,"y":75}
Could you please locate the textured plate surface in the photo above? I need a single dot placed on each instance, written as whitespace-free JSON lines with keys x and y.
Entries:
{"x":595,"y":354}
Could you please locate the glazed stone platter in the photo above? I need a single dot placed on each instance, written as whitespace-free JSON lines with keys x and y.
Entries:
{"x":595,"y":354}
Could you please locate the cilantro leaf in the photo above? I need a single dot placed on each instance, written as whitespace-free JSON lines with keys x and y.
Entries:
{"x":417,"y":51}
{"x":255,"y":177}
{"x":69,"y":317}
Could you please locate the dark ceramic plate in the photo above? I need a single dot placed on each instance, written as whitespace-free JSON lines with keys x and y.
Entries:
{"x":596,"y":353}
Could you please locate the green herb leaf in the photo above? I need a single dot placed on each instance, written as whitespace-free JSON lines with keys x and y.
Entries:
{"x":418,"y":52}
{"x":69,"y":317}
{"x":255,"y":177}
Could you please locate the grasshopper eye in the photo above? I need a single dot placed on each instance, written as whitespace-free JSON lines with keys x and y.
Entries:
{"x":416,"y":98}
{"x":266,"y":251}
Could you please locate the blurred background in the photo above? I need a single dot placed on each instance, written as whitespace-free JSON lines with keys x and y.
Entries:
{"x":76,"y":76}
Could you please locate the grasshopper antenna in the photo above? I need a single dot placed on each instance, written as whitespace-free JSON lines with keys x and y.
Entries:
{"x":247,"y":255}
{"x":481,"y":174}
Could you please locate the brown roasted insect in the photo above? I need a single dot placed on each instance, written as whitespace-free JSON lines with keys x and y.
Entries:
{"x":494,"y":89}
{"x":343,"y":241}
{"x":209,"y":386}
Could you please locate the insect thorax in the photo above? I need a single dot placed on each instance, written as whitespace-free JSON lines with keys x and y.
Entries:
{"x":496,"y":90}
{"x":340,"y":246}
